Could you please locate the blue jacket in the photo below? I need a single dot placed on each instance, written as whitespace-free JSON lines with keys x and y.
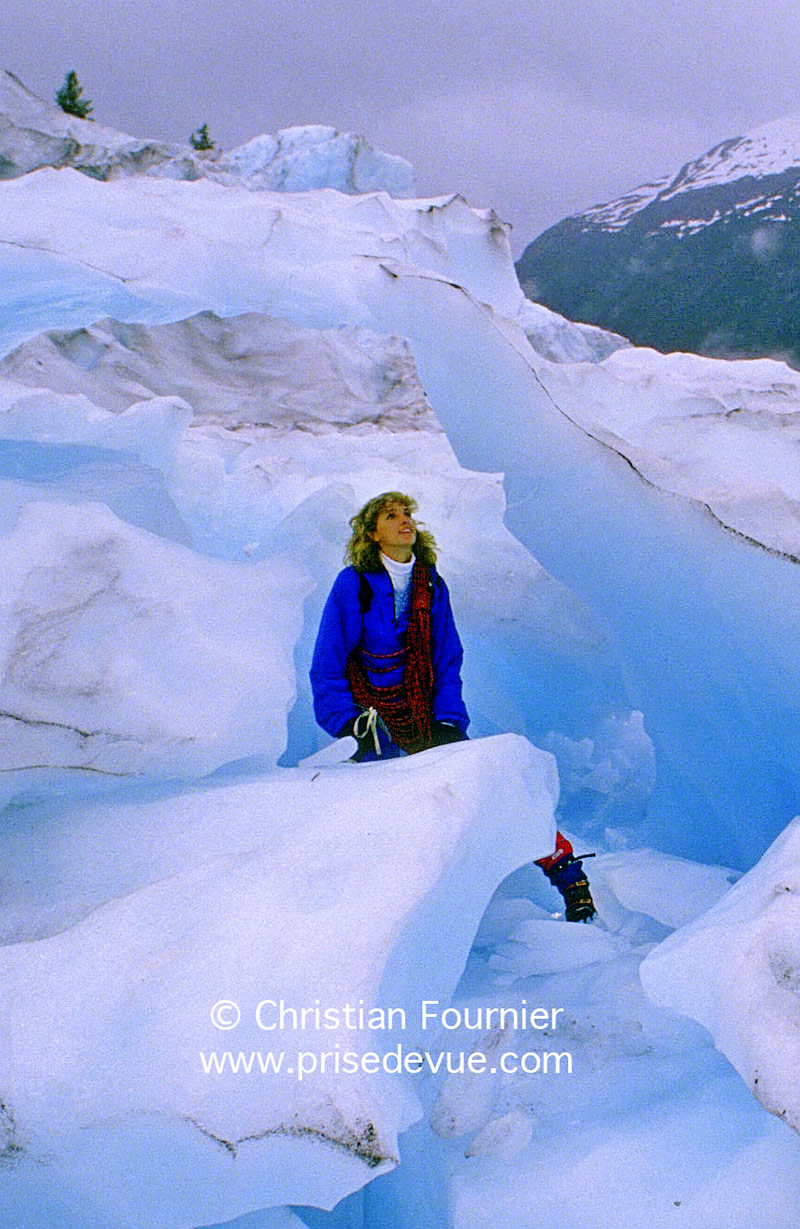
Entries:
{"x":344,"y":625}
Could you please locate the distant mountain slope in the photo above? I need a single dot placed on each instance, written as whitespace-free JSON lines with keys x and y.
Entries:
{"x":706,"y":260}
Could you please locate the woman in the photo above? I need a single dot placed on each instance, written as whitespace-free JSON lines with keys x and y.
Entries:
{"x":387,"y":642}
{"x":387,"y":661}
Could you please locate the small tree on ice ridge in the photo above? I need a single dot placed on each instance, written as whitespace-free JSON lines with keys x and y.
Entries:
{"x":69,"y":97}
{"x":200,"y":138}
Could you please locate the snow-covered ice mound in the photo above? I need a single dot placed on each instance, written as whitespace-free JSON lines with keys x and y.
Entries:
{"x":318,"y":888}
{"x":124,"y":654}
{"x":723,"y":434}
{"x":672,"y":891}
{"x":293,"y":429}
{"x":248,"y":370}
{"x":736,"y":970}
{"x":149,"y":251}
{"x":154,"y":250}
{"x":35,"y":134}
{"x":564,"y":341}
{"x":149,"y":431}
{"x":314,"y":156}
{"x":640,"y":1120}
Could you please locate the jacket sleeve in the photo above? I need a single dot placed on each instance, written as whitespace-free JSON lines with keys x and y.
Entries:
{"x":447,"y":655}
{"x":339,"y":632}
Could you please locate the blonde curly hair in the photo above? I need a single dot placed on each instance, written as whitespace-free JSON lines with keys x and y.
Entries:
{"x":363,"y":552}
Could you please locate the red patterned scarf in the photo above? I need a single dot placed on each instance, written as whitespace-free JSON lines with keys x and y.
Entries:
{"x":406,"y":707}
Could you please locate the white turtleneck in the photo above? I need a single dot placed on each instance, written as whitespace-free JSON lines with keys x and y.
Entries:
{"x":400,"y":574}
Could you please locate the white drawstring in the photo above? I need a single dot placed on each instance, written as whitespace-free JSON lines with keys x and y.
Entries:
{"x":370,"y":726}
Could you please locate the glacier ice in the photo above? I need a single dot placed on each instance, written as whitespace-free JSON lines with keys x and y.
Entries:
{"x":159,"y":241}
{"x":123,"y":654}
{"x":506,"y":1135}
{"x":564,"y":341}
{"x":736,"y":969}
{"x":149,"y":430}
{"x":656,"y":657}
{"x":301,"y":886}
{"x":243,"y":370}
{"x":463,"y":1102}
{"x":314,"y":156}
{"x":279,"y":432}
{"x":651,"y":1125}
{"x":723,"y":435}
{"x":35,"y":133}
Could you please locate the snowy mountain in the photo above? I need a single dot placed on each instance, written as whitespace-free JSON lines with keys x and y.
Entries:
{"x":199,"y":385}
{"x":703,"y":260}
{"x":35,"y":133}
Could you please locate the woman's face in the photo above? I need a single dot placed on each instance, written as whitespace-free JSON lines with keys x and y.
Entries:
{"x":395,"y":532}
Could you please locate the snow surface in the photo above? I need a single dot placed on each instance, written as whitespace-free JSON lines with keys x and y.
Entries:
{"x":113,"y":639}
{"x":770,"y":149}
{"x":134,"y":919}
{"x":562,"y":341}
{"x":652,"y":1126}
{"x":736,"y":970}
{"x":723,"y":434}
{"x":613,"y":215}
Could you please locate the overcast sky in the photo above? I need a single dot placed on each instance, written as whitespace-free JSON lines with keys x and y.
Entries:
{"x":538,"y":109}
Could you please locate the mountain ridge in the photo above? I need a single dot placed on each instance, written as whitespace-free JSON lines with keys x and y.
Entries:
{"x":702,"y":260}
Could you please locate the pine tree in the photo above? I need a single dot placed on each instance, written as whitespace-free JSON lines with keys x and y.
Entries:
{"x":200,"y":139}
{"x":69,"y":97}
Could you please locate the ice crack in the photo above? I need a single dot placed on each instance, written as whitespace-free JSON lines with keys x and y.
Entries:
{"x":364,"y":1144}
